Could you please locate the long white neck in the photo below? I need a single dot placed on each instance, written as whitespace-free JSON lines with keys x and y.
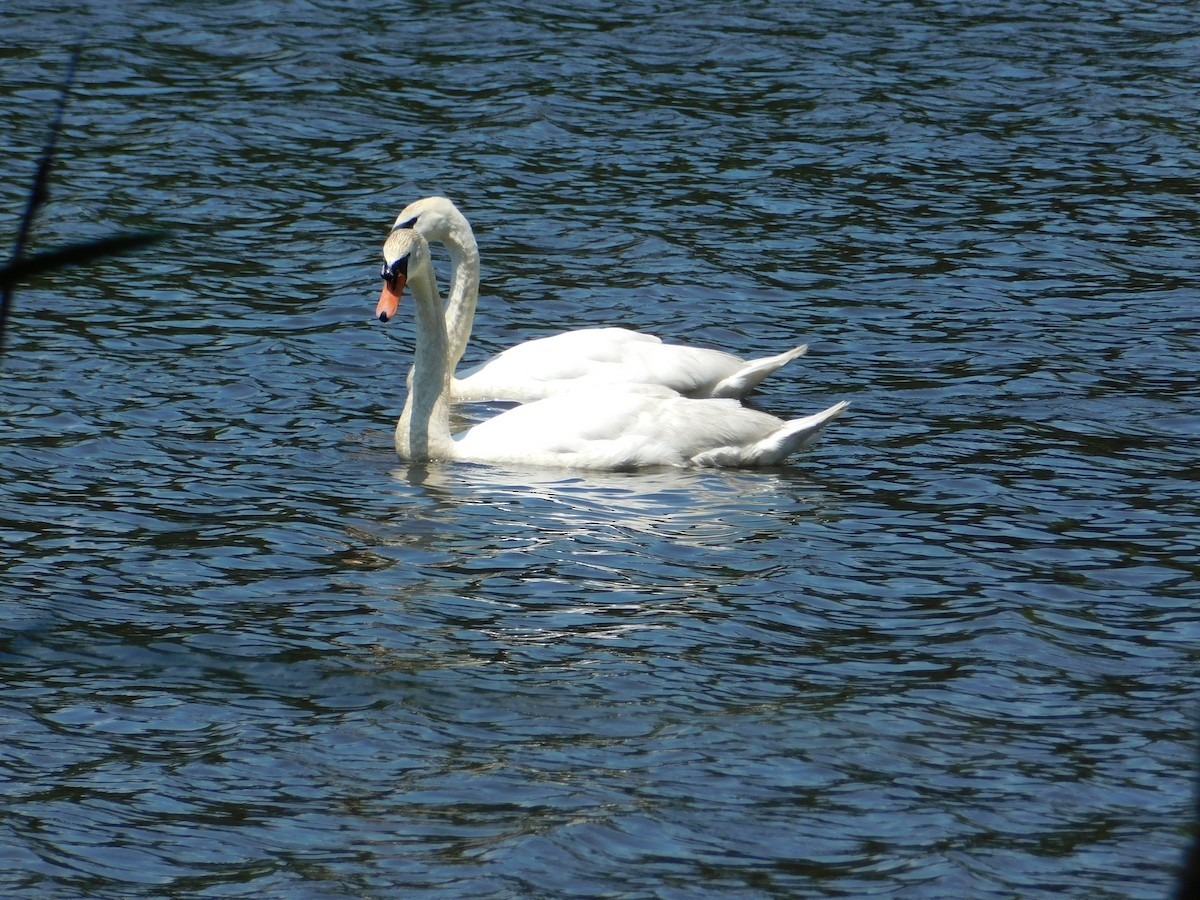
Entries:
{"x":423,"y":431}
{"x":463,"y":295}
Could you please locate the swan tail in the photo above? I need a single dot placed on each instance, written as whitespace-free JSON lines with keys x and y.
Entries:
{"x":797,"y":434}
{"x":747,"y":378}
{"x":772,"y":450}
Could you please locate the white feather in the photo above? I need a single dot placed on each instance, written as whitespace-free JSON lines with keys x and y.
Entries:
{"x":563,"y":362}
{"x":614,"y":428}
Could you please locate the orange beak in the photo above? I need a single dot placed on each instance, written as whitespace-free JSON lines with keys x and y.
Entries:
{"x":389,"y":298}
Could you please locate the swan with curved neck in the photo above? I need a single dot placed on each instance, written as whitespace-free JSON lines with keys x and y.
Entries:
{"x":587,"y":356}
{"x":599,"y":428}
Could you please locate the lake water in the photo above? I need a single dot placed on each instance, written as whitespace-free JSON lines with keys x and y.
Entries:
{"x":949,"y":652}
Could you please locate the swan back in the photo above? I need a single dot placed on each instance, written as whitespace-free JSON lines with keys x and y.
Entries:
{"x":636,"y":428}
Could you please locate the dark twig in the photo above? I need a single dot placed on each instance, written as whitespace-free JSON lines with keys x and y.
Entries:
{"x":75,"y":254}
{"x":19,"y":267}
{"x":41,"y":182}
{"x":40,"y":190}
{"x":1188,"y":886}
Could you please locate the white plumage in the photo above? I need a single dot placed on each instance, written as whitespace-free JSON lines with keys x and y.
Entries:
{"x":597,"y":427}
{"x":587,"y":357}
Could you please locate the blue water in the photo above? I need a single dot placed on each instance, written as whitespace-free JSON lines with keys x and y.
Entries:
{"x":949,"y":652}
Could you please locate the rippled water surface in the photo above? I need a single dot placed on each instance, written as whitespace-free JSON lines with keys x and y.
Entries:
{"x":949,"y":652}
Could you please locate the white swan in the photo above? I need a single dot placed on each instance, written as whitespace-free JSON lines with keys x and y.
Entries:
{"x":588,"y":356}
{"x":610,"y":428}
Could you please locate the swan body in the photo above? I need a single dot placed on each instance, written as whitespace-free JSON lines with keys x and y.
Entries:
{"x":631,"y":427}
{"x":587,"y":357}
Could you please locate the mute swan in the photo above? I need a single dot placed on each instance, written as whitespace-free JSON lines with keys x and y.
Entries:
{"x":546,"y":366}
{"x":609,"y":428}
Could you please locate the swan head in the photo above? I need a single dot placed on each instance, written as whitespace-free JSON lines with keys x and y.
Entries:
{"x":403,"y":250}
{"x":440,"y":222}
{"x":434,"y":217}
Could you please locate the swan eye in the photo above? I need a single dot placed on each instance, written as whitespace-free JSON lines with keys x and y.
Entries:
{"x":400,"y":266}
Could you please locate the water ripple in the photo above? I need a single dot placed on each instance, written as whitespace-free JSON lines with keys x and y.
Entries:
{"x":246,"y":653}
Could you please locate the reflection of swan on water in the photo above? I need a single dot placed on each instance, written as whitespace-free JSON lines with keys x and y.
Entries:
{"x":550,"y":365}
{"x":524,"y":508}
{"x":611,"y":428}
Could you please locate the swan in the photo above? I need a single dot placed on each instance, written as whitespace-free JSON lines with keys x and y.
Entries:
{"x":609,"y":428}
{"x":546,"y":366}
